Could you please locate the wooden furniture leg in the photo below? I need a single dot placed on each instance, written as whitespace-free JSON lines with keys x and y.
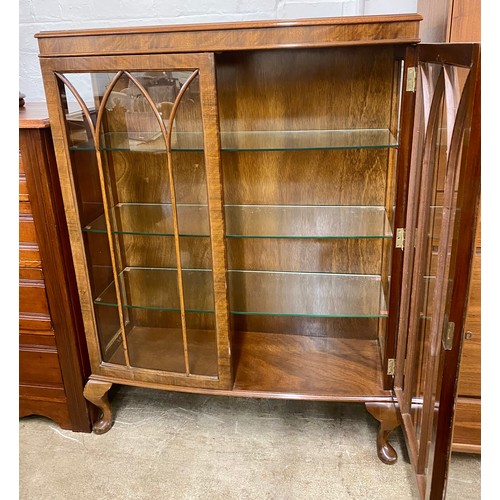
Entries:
{"x":386,"y":414}
{"x":96,"y":392}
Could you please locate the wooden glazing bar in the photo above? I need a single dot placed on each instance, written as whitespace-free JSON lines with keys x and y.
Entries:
{"x":167,"y":136}
{"x":421,"y":238}
{"x":442,"y":277}
{"x":96,"y":133}
{"x":451,"y":85}
{"x":175,"y":216}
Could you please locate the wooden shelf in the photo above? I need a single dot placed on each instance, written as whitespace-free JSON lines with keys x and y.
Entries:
{"x":274,"y":364}
{"x":269,"y":365}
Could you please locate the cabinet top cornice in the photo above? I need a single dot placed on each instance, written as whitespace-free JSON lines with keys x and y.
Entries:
{"x":232,"y":36}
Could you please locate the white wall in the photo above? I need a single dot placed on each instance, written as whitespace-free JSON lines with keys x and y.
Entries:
{"x":46,"y":15}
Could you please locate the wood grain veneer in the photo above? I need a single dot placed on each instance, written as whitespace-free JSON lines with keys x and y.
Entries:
{"x":298,"y":365}
{"x":52,"y":363}
{"x":237,"y":36}
{"x":467,"y":425}
{"x":470,"y":367}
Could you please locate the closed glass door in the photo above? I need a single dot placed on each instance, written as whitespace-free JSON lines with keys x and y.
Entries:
{"x":143,"y":158}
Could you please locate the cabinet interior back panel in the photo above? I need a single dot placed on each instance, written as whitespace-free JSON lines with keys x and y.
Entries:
{"x":330,"y":88}
{"x":339,"y":177}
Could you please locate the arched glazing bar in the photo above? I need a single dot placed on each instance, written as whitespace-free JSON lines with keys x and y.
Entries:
{"x":431,"y":104}
{"x":455,"y":118}
{"x":95,"y":131}
{"x":167,"y":136}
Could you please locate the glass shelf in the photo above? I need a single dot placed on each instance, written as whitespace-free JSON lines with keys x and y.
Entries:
{"x":285,"y":221}
{"x":154,"y":219}
{"x":251,"y":221}
{"x":306,"y":294}
{"x":254,"y":292}
{"x":262,"y":140}
{"x":157,"y":289}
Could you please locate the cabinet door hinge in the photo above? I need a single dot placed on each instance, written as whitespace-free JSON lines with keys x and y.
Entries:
{"x":391,"y":363}
{"x":449,"y":330}
{"x":411,"y":79}
{"x":400,"y":237}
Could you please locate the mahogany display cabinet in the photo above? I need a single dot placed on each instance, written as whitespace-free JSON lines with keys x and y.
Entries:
{"x":253,"y":212}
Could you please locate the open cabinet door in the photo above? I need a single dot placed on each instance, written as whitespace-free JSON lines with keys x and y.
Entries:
{"x":439,"y":239}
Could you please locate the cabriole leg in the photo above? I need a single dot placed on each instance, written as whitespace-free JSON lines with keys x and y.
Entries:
{"x":97,"y":393}
{"x":386,"y":414}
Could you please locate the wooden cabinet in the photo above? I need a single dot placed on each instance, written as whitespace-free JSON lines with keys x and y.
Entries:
{"x":252,"y":212}
{"x":53,"y":359}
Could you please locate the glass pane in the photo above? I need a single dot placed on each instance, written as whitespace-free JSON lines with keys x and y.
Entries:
{"x":202,"y":344}
{"x":136,"y":287}
{"x":190,"y":183}
{"x":155,"y":219}
{"x":428,"y":218}
{"x":151,"y":288}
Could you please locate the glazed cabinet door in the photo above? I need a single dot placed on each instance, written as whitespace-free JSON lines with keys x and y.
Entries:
{"x":438,"y":248}
{"x":137,"y":144}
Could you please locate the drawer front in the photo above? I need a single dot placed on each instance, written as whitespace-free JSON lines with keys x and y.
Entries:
{"x":30,"y":273}
{"x":39,"y":361}
{"x":35,"y":323}
{"x":21,"y":164}
{"x":29,"y":255}
{"x":27,"y":231}
{"x":41,"y":389}
{"x":24,"y":207}
{"x":23,"y":189}
{"x":32,"y":297}
{"x":467,"y":426}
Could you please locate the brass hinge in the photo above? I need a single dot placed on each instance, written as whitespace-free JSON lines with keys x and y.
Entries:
{"x":449,"y":330}
{"x":391,"y":363}
{"x":400,"y":237}
{"x":411,"y":79}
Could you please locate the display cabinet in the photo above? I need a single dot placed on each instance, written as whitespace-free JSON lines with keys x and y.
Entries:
{"x":242,"y":202}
